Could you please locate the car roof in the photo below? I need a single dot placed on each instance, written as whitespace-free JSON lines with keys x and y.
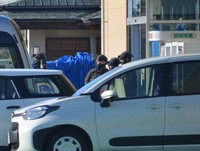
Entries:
{"x":6,"y":24}
{"x":28,"y":72}
{"x":158,"y":60}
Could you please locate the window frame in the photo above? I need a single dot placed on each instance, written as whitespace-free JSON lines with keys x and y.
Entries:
{"x":169,"y":90}
{"x":95,"y":96}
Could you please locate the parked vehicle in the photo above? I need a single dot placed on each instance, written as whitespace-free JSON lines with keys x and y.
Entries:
{"x":23,"y":87}
{"x":13,"y":51}
{"x":150,"y":104}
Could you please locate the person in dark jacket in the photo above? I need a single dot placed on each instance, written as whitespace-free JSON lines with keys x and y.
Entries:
{"x":101,"y":62}
{"x":39,"y":61}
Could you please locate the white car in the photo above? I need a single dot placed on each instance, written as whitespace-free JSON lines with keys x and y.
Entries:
{"x":146,"y":105}
{"x":23,"y":87}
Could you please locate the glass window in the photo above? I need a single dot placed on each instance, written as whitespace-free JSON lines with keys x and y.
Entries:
{"x":174,"y":9}
{"x":3,"y":88}
{"x":185,"y":78}
{"x":43,"y":86}
{"x":9,"y":52}
{"x":7,"y":90}
{"x":136,"y":8}
{"x":139,"y":83}
{"x":40,"y":85}
{"x":173,"y":27}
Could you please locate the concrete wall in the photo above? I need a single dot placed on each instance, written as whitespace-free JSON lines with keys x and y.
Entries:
{"x":114,"y":28}
{"x":38,"y":37}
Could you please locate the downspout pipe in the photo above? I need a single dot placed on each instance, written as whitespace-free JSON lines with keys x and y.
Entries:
{"x":102,"y":28}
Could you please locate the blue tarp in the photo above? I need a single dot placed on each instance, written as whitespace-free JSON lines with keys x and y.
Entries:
{"x":74,"y":68}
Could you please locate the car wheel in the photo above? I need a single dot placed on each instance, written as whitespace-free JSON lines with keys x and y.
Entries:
{"x":66,"y":141}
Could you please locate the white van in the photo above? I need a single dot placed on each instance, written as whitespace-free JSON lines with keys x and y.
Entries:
{"x":13,"y":51}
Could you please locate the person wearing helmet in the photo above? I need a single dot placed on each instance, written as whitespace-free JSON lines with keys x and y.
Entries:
{"x":125,"y":57}
{"x":129,"y":78}
{"x":39,"y":61}
{"x":114,"y":62}
{"x":101,"y":62}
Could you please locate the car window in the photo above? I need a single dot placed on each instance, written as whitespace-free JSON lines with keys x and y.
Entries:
{"x":40,"y":85}
{"x":7,"y":90}
{"x":138,"y":83}
{"x":185,"y":78}
{"x":9,"y":53}
{"x":43,"y":86}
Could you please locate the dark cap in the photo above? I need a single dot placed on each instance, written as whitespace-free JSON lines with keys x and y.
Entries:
{"x":101,"y":58}
{"x":114,"y":62}
{"x":125,"y":54}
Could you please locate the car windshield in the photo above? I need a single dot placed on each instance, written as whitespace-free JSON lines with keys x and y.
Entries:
{"x":43,"y":86}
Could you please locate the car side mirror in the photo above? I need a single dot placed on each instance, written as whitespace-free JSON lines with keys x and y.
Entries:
{"x":107,"y":97}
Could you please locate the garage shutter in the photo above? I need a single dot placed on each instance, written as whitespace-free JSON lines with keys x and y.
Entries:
{"x":58,"y":47}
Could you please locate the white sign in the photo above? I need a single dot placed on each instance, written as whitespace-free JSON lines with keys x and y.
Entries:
{"x":137,"y":20}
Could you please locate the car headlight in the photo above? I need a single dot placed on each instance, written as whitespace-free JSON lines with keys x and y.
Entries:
{"x":38,"y":112}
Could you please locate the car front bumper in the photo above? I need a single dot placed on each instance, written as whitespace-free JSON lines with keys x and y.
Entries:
{"x":29,"y":135}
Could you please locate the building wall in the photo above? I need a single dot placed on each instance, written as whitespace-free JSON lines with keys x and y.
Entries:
{"x":114,"y":28}
{"x":38,"y":37}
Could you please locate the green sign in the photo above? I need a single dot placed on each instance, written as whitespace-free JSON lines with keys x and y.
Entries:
{"x":184,"y":35}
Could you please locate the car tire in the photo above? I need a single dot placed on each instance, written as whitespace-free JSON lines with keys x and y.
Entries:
{"x":66,"y":140}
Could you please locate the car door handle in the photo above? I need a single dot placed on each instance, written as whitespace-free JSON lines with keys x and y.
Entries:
{"x":176,"y":105}
{"x":153,"y":106}
{"x":13,"y":107}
